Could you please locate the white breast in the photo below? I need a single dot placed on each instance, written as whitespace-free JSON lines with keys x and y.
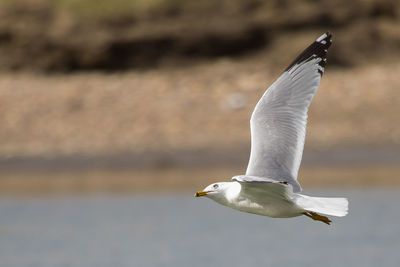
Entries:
{"x":265,"y":205}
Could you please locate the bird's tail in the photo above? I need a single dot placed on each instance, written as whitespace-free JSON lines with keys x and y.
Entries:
{"x":325,"y":205}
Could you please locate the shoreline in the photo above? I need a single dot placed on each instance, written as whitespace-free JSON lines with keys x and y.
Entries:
{"x":172,"y":179}
{"x":200,"y":158}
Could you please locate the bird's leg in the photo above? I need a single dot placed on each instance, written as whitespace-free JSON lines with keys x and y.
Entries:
{"x":317,"y":217}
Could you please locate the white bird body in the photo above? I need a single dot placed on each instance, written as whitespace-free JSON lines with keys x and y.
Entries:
{"x":278,"y":127}
{"x":274,"y":200}
{"x":270,"y":204}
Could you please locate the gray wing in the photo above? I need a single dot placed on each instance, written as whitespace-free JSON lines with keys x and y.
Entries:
{"x":278,"y":123}
{"x":256,"y":186}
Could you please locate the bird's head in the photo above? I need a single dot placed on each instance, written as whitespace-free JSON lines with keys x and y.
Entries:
{"x":214,"y":191}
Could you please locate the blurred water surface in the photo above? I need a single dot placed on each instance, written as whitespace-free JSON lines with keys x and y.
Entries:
{"x":176,"y":229}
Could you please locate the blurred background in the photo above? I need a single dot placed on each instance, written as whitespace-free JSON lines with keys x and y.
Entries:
{"x":113,"y":113}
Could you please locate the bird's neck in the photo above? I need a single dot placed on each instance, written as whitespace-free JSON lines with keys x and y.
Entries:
{"x":229,"y":195}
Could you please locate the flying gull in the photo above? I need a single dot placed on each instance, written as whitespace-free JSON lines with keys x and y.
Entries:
{"x":278,"y":128}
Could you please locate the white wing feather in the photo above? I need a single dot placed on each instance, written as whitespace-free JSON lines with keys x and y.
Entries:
{"x":278,"y":123}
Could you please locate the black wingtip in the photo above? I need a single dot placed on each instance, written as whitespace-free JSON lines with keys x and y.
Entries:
{"x":318,"y":49}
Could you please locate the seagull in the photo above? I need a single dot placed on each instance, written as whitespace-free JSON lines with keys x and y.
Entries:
{"x":278,"y":129}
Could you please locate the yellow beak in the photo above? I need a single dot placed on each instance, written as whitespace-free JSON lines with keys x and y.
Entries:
{"x":200,"y":193}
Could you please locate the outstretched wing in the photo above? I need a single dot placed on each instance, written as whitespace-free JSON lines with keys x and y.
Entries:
{"x":278,"y":122}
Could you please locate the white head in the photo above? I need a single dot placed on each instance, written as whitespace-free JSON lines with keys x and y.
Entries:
{"x":219,"y":192}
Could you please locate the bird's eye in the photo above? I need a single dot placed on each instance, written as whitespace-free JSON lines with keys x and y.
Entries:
{"x":215,"y":186}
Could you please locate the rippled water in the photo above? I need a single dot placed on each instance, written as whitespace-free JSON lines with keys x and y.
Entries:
{"x":179,"y":230}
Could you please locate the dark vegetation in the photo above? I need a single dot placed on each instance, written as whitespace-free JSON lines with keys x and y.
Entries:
{"x":69,"y":35}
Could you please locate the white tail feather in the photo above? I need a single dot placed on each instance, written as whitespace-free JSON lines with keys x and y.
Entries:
{"x":329,"y":206}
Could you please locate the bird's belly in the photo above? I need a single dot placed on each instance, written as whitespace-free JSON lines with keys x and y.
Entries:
{"x":278,"y":208}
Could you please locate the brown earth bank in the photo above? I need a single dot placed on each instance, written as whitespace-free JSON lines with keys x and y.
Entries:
{"x":192,"y":110}
{"x":185,"y":127}
{"x":62,"y":35}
